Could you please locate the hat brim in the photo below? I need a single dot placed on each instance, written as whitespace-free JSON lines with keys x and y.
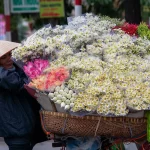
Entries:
{"x":7,"y":46}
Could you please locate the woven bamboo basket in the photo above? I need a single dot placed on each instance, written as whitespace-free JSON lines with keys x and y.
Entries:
{"x":65,"y":124}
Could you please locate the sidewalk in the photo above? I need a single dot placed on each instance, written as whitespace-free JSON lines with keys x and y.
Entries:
{"x":47,"y":145}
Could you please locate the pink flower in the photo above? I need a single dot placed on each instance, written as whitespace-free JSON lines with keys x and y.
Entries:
{"x":56,"y":77}
{"x":35,"y":68}
{"x":41,"y":64}
{"x":62,"y":74}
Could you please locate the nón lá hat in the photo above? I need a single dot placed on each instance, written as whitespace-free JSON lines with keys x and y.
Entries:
{"x":6,"y":46}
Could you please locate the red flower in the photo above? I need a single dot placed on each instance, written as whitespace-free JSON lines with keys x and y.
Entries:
{"x":130,"y":29}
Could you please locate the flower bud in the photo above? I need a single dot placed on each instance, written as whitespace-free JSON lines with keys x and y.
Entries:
{"x":71,"y":104}
{"x":63,"y":104}
{"x":50,"y":95}
{"x":67,"y":107}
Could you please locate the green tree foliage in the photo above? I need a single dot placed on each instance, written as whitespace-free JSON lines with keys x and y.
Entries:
{"x":103,"y":7}
{"x":102,"y":2}
{"x":1,"y":7}
{"x":145,"y":2}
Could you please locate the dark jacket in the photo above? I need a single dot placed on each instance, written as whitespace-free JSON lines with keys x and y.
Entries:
{"x":17,"y":117}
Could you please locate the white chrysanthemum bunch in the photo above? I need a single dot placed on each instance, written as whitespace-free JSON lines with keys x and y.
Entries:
{"x":64,"y":96}
{"x":62,"y":38}
{"x":109,"y":70}
{"x":29,"y":50}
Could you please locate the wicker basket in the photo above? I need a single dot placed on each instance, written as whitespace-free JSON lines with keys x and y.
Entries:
{"x":65,"y":124}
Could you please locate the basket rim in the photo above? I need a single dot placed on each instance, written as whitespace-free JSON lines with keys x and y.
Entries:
{"x":106,"y":118}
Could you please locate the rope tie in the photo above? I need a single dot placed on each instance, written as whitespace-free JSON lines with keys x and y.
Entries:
{"x":99,"y":120}
{"x":131,"y":133}
{"x":64,"y":126}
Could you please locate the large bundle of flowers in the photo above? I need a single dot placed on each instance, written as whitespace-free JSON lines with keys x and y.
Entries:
{"x":94,"y":64}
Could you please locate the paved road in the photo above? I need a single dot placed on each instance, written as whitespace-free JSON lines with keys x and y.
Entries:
{"x":47,"y":145}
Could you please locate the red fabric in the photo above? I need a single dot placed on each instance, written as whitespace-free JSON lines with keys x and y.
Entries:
{"x":7,"y":19}
{"x":30,"y":91}
{"x":78,"y":2}
{"x":145,"y":146}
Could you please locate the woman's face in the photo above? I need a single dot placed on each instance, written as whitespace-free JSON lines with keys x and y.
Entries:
{"x":5,"y":61}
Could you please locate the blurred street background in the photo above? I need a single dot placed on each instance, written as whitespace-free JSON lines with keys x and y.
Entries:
{"x":20,"y":18}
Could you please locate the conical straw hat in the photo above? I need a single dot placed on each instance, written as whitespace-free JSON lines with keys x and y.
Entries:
{"x":6,"y":46}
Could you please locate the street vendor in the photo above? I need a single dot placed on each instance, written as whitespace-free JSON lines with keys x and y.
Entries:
{"x":19,"y":117}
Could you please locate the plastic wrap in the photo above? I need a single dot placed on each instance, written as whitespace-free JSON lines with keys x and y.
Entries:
{"x":107,"y":72}
{"x":83,"y":143}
